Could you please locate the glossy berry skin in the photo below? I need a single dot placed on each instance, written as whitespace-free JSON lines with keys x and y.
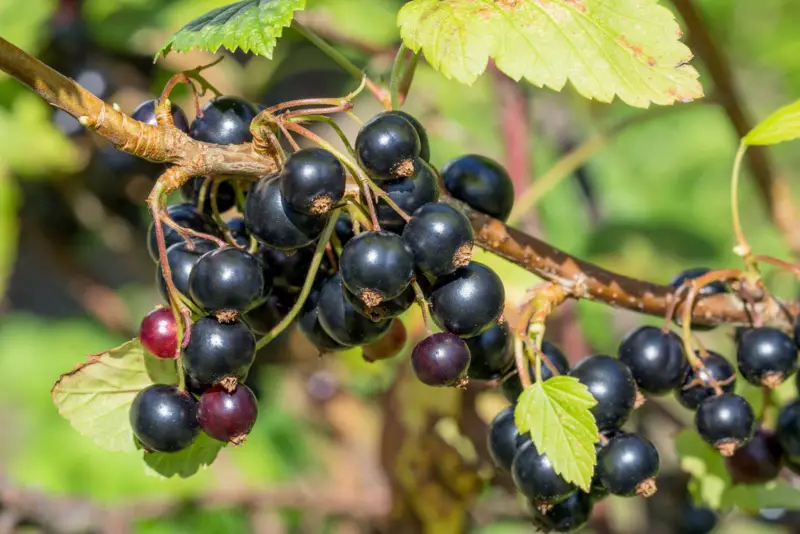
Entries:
{"x":409,"y":194}
{"x":386,"y":309}
{"x":386,"y":147}
{"x":312,"y":181}
{"x":308,"y":323}
{"x":227,"y":278}
{"x":766,"y":356}
{"x":159,"y":333}
{"x":714,"y":288}
{"x":275,"y":223}
{"x":758,"y":461}
{"x":376,"y":266}
{"x":344,"y":229}
{"x":725,"y":422}
{"x":628,"y":465}
{"x":225,"y":416}
{"x":267,"y":315}
{"x":512,"y":386}
{"x":569,"y":515}
{"x":611,"y":383}
{"x":424,"y":144}
{"x":656,"y":359}
{"x":535,"y":478}
{"x":388,"y":345}
{"x":504,"y":439}
{"x":224,"y":121}
{"x":492,"y":353}
{"x":146,"y":112}
{"x":194,"y":187}
{"x":696,"y":520}
{"x":788,"y":430}
{"x":341,"y":321}
{"x":185,"y":215}
{"x":482,"y":183}
{"x":697,"y":388}
{"x":181,"y":260}
{"x":216,"y":351}
{"x":467,"y":301}
{"x":440,"y":238}
{"x":164,"y":419}
{"x":441,"y":359}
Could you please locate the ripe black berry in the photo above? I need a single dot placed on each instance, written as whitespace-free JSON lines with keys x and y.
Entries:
{"x":388,"y":345}
{"x":656,"y":359}
{"x":268,"y":314}
{"x":185,"y":215}
{"x":342,"y":321}
{"x":492,"y":353}
{"x":197,"y":186}
{"x":482,"y":183}
{"x":627,"y":465}
{"x":146,"y":112}
{"x":240,"y":235}
{"x":275,"y":223}
{"x":788,"y":430}
{"x":467,"y":301}
{"x":714,"y":288}
{"x":376,"y":266}
{"x":441,"y":360}
{"x":758,"y":461}
{"x":696,"y":520}
{"x":386,"y":147}
{"x":424,"y":144}
{"x":158,"y":333}
{"x":224,"y":121}
{"x":569,"y":515}
{"x":505,"y":440}
{"x":218,"y":351}
{"x":697,"y":386}
{"x":512,"y":386}
{"x":440,"y":237}
{"x":725,"y":422}
{"x":227,"y":278}
{"x":409,"y":194}
{"x":344,"y":228}
{"x":611,"y":383}
{"x":312,"y":181}
{"x":227,"y":416}
{"x":386,"y":309}
{"x":288,"y":268}
{"x":535,"y":477}
{"x":309,"y":325}
{"x":181,"y":260}
{"x":766,"y":356}
{"x":164,"y":418}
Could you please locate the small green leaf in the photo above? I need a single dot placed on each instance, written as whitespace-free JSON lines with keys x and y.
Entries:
{"x":557,"y":414}
{"x":710,"y":476}
{"x":96,"y":396}
{"x":751,"y":498}
{"x":9,"y":227}
{"x":251,"y":25}
{"x":628,"y":48}
{"x":185,"y":463}
{"x":782,"y":125}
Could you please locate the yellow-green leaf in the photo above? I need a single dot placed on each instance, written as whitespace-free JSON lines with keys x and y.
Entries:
{"x":557,"y":414}
{"x":627,"y":48}
{"x":9,"y":226}
{"x":96,"y":396}
{"x":710,"y":477}
{"x":754,"y":497}
{"x":783,"y":125}
{"x":185,"y":463}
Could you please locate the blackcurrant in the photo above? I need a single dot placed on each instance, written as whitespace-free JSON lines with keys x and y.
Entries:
{"x":696,"y":520}
{"x":344,"y":229}
{"x":342,"y":321}
{"x":627,"y":465}
{"x":225,"y":120}
{"x":238,"y":231}
{"x":312,"y":181}
{"x":376,"y":266}
{"x":512,"y":386}
{"x":386,"y":147}
{"x":440,"y":237}
{"x":492,"y":353}
{"x":164,"y":418}
{"x":158,"y":333}
{"x":725,"y":422}
{"x":409,"y":194}
{"x":194,"y":386}
{"x":612,"y":385}
{"x":199,"y":187}
{"x":181,"y":260}
{"x":598,"y":492}
{"x":424,"y":144}
{"x":309,"y":325}
{"x":275,"y":223}
{"x":758,"y":461}
{"x":146,"y":112}
{"x":766,"y":356}
{"x":714,"y":288}
{"x":388,"y":345}
{"x":482,"y":183}
{"x":184,"y":215}
{"x":656,"y":359}
{"x":467,"y":301}
{"x":505,"y":439}
{"x":387,"y":308}
{"x":697,"y":386}
{"x":227,"y":279}
{"x":788,"y":430}
{"x":217,"y":352}
{"x":535,"y":477}
{"x":288,"y":268}
{"x":227,"y":416}
{"x":268,"y":314}
{"x":441,"y":359}
{"x":569,"y":515}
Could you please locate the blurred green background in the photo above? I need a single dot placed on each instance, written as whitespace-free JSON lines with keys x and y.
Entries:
{"x":75,"y":277}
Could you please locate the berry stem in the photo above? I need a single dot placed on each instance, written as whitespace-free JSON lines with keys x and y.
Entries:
{"x":187,"y":76}
{"x":226,"y":232}
{"x":332,"y":123}
{"x":522,"y":362}
{"x":742,"y":247}
{"x":423,"y":305}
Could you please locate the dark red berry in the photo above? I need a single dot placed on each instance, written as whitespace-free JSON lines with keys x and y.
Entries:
{"x":181,"y":260}
{"x":569,"y":515}
{"x":225,"y":120}
{"x":388,"y":345}
{"x":409,"y":194}
{"x":482,"y":183}
{"x":440,"y":237}
{"x":758,"y":461}
{"x":146,"y":112}
{"x":342,"y":321}
{"x":535,"y":477}
{"x":492,"y":353}
{"x":512,"y":386}
{"x":227,"y":416}
{"x":505,"y":439}
{"x":164,"y":418}
{"x":611,"y":383}
{"x":386,"y":147}
{"x":627,"y":465}
{"x":219,"y":351}
{"x":467,"y":301}
{"x":227,"y":279}
{"x":441,"y":360}
{"x":697,"y":387}
{"x":656,"y":359}
{"x":766,"y":356}
{"x":788,"y":430}
{"x":312,"y":181}
{"x":725,"y":422}
{"x":424,"y":144}
{"x":184,"y":215}
{"x":158,"y":333}
{"x":376,"y":266}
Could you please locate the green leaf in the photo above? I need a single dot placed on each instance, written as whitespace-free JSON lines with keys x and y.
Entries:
{"x":782,"y":125}
{"x":251,"y":25}
{"x":557,"y":414}
{"x":9,"y":227}
{"x":752,"y":498}
{"x":628,"y":48}
{"x":710,"y":476}
{"x":96,"y":396}
{"x":185,"y":463}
